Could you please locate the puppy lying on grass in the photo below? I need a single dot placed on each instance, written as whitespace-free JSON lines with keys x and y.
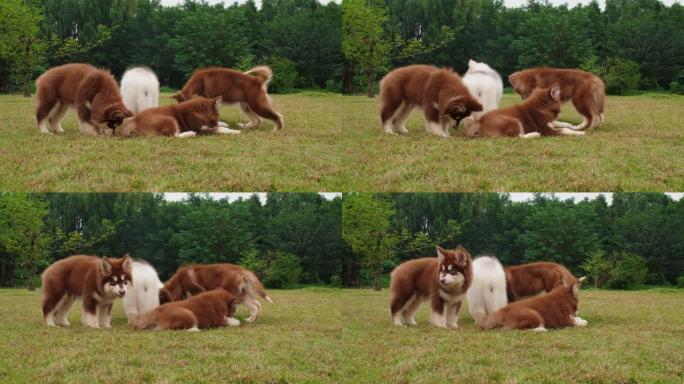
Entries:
{"x":196,"y":116}
{"x":207,"y":310}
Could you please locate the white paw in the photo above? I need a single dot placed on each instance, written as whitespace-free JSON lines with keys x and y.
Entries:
{"x":539,"y":329}
{"x":411,"y":321}
{"x":193,"y":329}
{"x":233,"y":322}
{"x":226,"y":131}
{"x":580,"y":322}
{"x":222,"y":124}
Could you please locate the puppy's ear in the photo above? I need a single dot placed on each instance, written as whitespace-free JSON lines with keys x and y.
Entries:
{"x":128,"y":113}
{"x":164,"y":296}
{"x":178,"y":97}
{"x":462,"y":256}
{"x":441,"y":253}
{"x":218,"y":101}
{"x":471,"y":63}
{"x":513,"y":79}
{"x":581,"y":279}
{"x":105,"y":265}
{"x":127,"y":263}
{"x":555,"y":92}
{"x":475,"y":106}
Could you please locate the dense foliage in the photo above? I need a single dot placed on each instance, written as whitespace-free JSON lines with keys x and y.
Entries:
{"x":632,"y":44}
{"x":635,"y":240}
{"x":289,"y":239}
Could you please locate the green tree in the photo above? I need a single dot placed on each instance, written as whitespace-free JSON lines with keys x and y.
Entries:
{"x":363,"y":39}
{"x":22,"y":233}
{"x":366,"y":229}
{"x":21,"y":46}
{"x":597,"y":267}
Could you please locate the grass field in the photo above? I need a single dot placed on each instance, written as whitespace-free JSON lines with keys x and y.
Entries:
{"x":344,"y":336}
{"x":335,"y":143}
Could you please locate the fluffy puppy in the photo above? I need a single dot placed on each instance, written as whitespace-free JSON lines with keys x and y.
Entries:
{"x":92,"y":92}
{"x":193,"y":279}
{"x":584,"y":89}
{"x":533,"y":278}
{"x":143,"y":295}
{"x":96,"y":281}
{"x":140,"y":89}
{"x":249,"y":88}
{"x":207,"y":310}
{"x":556,"y":309}
{"x":443,"y":280}
{"x":187,"y":119}
{"x":485,"y":84}
{"x":440,"y":93}
{"x":487,"y":294}
{"x":531,"y":119}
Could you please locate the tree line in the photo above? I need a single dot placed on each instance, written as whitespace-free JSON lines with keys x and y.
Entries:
{"x":633,"y":241}
{"x":290,"y":239}
{"x":347,"y":47}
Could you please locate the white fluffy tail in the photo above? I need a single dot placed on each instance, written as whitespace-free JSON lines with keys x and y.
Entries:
{"x":140,"y":89}
{"x":487,"y":294}
{"x":144,"y":293}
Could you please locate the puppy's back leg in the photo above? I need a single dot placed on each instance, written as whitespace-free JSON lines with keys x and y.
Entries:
{"x":254,"y":119}
{"x":264,"y":109}
{"x":46,"y":108}
{"x":57,"y":116}
{"x":179,"y":318}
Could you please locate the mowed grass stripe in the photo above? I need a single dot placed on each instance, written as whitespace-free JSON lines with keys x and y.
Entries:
{"x":320,"y":335}
{"x":335,"y":143}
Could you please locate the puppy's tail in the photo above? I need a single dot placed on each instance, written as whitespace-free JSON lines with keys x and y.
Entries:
{"x":254,"y":286}
{"x":145,"y":321}
{"x":599,"y":96}
{"x":263,"y":73}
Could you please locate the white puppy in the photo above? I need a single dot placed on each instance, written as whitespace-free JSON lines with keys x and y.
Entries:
{"x":487,"y":294}
{"x":486,"y":85}
{"x":143,"y":295}
{"x":140,"y":89}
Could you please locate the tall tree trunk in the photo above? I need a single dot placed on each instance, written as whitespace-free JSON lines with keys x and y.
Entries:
{"x":26,"y":72}
{"x":31,"y":273}
{"x":369,"y":78}
{"x":347,"y":78}
{"x":377,"y":278}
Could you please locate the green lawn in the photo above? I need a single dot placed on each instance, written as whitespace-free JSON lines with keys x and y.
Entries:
{"x":344,"y":336}
{"x":640,"y":147}
{"x":301,"y":157}
{"x":335,"y":143}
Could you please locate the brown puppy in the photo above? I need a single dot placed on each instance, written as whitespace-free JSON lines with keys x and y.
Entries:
{"x":248,"y":88}
{"x":194,"y":279}
{"x":206,"y":310}
{"x":533,"y":118}
{"x":533,"y":278}
{"x":555,"y":309}
{"x":92,"y":92}
{"x":187,"y":119}
{"x":440,"y":93}
{"x":97,"y":281}
{"x":586,"y":90}
{"x":443,"y":280}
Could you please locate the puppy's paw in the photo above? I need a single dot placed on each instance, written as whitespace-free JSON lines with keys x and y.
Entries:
{"x":580,"y":322}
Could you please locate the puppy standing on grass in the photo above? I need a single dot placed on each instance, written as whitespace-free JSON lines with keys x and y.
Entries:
{"x":487,"y":294}
{"x":555,"y":309}
{"x":193,"y":279}
{"x":140,"y":89}
{"x":440,"y":93}
{"x":199,"y":115}
{"x":96,"y":281}
{"x":443,"y":280}
{"x":486,"y":85}
{"x":143,"y":295}
{"x":207,"y":310}
{"x":250,"y":89}
{"x":532,"y":278}
{"x":92,"y":92}
{"x":586,"y":90}
{"x":531,"y":119}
